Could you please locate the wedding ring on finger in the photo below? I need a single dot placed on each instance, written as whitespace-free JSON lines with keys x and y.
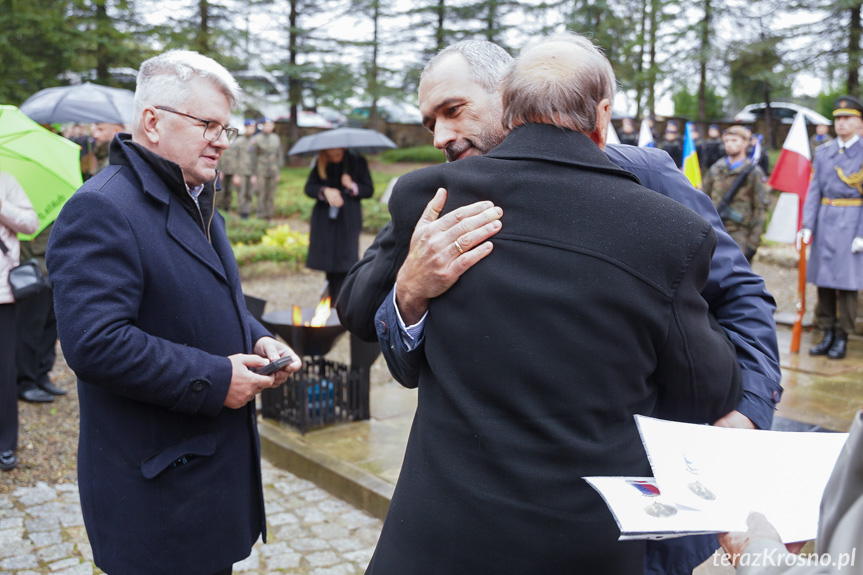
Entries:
{"x":458,"y":247}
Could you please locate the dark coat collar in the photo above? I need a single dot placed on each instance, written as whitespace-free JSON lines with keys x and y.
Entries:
{"x":163,"y":180}
{"x":152,"y":168}
{"x":552,"y":144}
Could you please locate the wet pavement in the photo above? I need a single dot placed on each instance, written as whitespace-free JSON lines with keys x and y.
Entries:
{"x":310,"y":531}
{"x":324,"y":515}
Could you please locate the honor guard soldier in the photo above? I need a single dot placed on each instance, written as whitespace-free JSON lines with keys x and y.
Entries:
{"x":820,"y":137}
{"x":736,"y":187}
{"x":672,"y":143}
{"x":244,"y":177}
{"x":833,"y":222}
{"x":227,"y":169}
{"x":270,"y":156}
{"x":628,"y":135}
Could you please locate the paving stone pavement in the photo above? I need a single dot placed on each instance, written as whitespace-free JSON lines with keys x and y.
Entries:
{"x":309,"y":531}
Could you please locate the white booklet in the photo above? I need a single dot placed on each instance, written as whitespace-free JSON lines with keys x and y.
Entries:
{"x":708,"y":479}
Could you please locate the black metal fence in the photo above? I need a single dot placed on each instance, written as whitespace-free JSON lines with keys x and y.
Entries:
{"x":321,"y":393}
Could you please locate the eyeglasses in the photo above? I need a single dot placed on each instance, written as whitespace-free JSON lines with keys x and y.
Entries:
{"x":212,"y":129}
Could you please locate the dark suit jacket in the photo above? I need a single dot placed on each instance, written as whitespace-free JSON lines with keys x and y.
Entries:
{"x":587,"y":312}
{"x":148,"y":311}
{"x":736,"y":295}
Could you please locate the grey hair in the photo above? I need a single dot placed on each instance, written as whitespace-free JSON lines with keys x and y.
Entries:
{"x":536,"y":89}
{"x":488,"y":62}
{"x":164,"y":79}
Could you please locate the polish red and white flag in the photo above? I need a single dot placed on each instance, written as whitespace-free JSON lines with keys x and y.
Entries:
{"x":794,"y":168}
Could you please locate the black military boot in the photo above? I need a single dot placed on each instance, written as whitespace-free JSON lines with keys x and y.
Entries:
{"x":823,"y":347}
{"x":837,"y":350}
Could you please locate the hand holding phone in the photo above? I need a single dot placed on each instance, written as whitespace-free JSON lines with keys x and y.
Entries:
{"x":273,"y":366}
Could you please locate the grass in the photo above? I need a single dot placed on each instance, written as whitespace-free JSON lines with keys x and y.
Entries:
{"x":418,"y":154}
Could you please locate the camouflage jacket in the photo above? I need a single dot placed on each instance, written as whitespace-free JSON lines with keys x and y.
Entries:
{"x":744,"y":220}
{"x":228,"y":162}
{"x":269,"y":154}
{"x":246,"y":155}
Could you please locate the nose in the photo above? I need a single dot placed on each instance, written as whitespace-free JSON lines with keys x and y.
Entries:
{"x":444,"y":134}
{"x":222,"y":141}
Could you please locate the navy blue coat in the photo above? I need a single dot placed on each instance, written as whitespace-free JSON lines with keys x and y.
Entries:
{"x":588,"y":311}
{"x":148,"y":311}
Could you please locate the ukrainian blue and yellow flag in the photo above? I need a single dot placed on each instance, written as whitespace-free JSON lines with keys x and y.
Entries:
{"x":691,"y":169}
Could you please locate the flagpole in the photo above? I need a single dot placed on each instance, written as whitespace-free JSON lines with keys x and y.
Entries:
{"x":800,"y":302}
{"x":792,"y":173}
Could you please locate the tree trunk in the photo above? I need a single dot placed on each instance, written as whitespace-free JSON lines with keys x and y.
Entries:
{"x":702,"y":62}
{"x":639,"y":68}
{"x":293,"y":81}
{"x":854,"y":51}
{"x":440,"y":34}
{"x":202,"y":38}
{"x":373,"y":75}
{"x":651,"y":73}
{"x":103,"y":31}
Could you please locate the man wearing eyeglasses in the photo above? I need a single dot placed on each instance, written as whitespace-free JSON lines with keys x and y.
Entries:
{"x":153,"y":321}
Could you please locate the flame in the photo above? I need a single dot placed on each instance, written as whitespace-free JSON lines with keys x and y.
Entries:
{"x":322,"y":314}
{"x":297,"y":317}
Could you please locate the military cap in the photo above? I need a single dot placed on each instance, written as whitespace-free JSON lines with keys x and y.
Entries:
{"x":847,"y":106}
{"x":737,"y":131}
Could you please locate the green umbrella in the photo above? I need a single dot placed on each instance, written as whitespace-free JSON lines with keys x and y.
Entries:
{"x":46,"y":165}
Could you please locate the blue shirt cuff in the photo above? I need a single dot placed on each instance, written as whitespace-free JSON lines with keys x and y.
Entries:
{"x":411,"y":335}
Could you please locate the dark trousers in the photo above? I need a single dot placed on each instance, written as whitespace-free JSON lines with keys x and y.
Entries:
{"x":224,"y":201}
{"x":336,"y":280}
{"x":37,"y":337}
{"x":8,"y":390}
{"x":826,"y":310}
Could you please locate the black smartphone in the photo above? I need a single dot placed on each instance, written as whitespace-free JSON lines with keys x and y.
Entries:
{"x":273,"y":366}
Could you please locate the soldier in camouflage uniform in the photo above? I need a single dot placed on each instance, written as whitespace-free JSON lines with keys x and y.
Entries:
{"x":244,"y":176}
{"x":103,"y":133}
{"x":227,"y":169}
{"x":744,"y":216}
{"x":269,"y":164}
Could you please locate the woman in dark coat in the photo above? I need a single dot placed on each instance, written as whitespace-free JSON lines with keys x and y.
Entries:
{"x":338,"y":181}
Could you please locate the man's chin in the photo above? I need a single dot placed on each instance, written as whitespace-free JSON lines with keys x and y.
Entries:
{"x":466,"y":153}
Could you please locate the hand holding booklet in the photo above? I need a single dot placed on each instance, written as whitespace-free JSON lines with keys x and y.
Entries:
{"x":708,"y":479}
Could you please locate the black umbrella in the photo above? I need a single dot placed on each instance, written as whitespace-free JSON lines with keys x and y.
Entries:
{"x":83,"y":103}
{"x":359,"y":140}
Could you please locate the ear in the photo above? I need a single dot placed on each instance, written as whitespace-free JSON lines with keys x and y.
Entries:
{"x":150,"y":126}
{"x":603,"y":116}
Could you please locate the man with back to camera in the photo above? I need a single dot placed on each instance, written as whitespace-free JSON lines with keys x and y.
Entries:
{"x":523,"y":391}
{"x":833,"y":222}
{"x":153,"y":321}
{"x":460,"y":99}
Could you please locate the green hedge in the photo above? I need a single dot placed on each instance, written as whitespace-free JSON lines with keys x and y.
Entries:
{"x":248,"y":231}
{"x":278,"y":244}
{"x":418,"y":154}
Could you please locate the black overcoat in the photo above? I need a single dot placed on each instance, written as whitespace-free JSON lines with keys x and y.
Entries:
{"x":334,"y":244}
{"x":148,"y":311}
{"x":587,"y":312}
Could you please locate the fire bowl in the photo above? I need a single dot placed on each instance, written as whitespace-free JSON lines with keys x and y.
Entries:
{"x":305,"y":340}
